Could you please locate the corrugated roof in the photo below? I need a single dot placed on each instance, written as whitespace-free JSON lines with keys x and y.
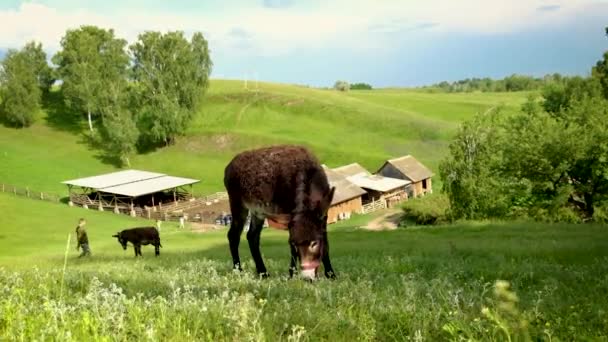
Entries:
{"x":131,"y":183}
{"x":345,"y":189}
{"x":351,"y":170}
{"x":113,"y":179}
{"x":149,"y":186}
{"x":411,"y":167}
{"x":376,"y":182}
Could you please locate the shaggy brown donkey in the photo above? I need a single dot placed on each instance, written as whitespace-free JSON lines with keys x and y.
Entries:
{"x":286,"y":185}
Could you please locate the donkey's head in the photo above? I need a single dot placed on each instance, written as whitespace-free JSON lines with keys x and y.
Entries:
{"x":308,"y":228}
{"x":121,"y":240}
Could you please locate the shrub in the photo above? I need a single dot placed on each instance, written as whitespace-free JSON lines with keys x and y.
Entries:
{"x":342,"y":86}
{"x":429,"y":210}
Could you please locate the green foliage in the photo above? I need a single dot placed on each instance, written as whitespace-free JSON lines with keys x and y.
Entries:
{"x":360,"y":86}
{"x":41,"y":68}
{"x":341,"y":86}
{"x":172,"y":76}
{"x":19,"y":89}
{"x":92,"y":60}
{"x":469,"y":172}
{"x":550,"y":166}
{"x":508,"y":84}
{"x":429,"y":210}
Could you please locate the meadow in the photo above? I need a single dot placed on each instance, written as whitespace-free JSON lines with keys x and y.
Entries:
{"x":359,"y":126}
{"x":474,"y":281}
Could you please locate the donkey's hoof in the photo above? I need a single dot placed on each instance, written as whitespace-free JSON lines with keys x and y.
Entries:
{"x":330,"y":275}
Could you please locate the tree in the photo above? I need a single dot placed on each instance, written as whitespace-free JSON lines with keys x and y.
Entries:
{"x":90,"y":60}
{"x":19,"y":90}
{"x":469,"y":172}
{"x":360,"y":86}
{"x":172,"y":75}
{"x":341,"y":86}
{"x":42,"y":70}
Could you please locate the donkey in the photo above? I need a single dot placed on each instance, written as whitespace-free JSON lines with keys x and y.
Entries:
{"x":139,"y":236}
{"x":286,"y":185}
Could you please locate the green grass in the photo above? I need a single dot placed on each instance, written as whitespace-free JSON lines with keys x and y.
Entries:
{"x":425,"y":284}
{"x":362,"y":126}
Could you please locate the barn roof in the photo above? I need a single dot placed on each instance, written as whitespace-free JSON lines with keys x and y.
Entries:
{"x":351,"y":170}
{"x":410,"y":167}
{"x":345,"y":189}
{"x":131,"y":183}
{"x":377,"y":182}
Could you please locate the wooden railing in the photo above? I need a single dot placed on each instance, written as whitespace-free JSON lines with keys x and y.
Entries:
{"x":27,"y":192}
{"x":373,"y":206}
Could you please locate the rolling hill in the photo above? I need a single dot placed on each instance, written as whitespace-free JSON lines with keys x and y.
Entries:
{"x":363,"y":126}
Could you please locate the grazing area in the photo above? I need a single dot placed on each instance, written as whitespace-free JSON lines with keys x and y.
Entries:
{"x":430,"y":284}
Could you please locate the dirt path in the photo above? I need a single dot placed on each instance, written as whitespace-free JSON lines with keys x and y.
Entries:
{"x":388,"y":220}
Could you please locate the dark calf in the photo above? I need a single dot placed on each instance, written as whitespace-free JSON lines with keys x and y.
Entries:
{"x":286,"y":185}
{"x":139,"y":236}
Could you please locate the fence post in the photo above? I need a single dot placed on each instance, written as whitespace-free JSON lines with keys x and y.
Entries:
{"x":27,"y":191}
{"x":42,"y":196}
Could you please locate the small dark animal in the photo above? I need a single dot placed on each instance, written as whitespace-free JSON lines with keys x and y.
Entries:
{"x":286,"y":185}
{"x":140,"y":236}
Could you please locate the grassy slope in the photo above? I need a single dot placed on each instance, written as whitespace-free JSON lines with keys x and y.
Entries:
{"x":392,"y":284}
{"x":363,"y":126}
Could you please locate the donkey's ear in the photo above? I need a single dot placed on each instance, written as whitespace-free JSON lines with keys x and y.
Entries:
{"x":115,"y":235}
{"x":329,"y":196}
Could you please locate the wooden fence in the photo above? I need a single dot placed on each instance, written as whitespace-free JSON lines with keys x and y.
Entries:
{"x":373,"y":206}
{"x":27,"y":192}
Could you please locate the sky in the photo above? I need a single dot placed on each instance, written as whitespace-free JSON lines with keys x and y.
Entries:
{"x":316,"y":42}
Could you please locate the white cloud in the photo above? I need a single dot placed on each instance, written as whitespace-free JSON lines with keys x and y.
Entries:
{"x":361,"y":24}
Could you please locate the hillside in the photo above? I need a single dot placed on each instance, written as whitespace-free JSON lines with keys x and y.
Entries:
{"x":362,"y":126}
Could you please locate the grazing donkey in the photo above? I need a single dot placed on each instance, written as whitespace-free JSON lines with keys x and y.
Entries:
{"x":139,"y":236}
{"x":286,"y":185}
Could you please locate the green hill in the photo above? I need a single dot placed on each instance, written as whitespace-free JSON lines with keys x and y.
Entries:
{"x":362,"y":126}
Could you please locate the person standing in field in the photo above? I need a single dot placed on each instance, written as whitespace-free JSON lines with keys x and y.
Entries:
{"x":82,"y":238}
{"x":181,"y":222}
{"x":158,"y":222}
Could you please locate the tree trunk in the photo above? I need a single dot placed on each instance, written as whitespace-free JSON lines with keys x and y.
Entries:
{"x":589,"y":204}
{"x":90,"y":122}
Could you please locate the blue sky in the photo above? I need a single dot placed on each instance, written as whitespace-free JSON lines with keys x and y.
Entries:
{"x":316,"y":42}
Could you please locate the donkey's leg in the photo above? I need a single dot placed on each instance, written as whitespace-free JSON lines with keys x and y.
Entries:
{"x":239,"y":214}
{"x":157,"y":248}
{"x":294,"y":259}
{"x":329,"y":271}
{"x":253,"y":237}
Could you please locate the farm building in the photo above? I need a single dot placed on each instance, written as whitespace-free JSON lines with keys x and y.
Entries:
{"x":347,"y":197}
{"x":129,"y":190}
{"x":381,"y":191}
{"x":410,"y":169}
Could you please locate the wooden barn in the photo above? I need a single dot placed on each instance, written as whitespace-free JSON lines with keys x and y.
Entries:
{"x":129,"y":190}
{"x":347,"y":197}
{"x":378,"y":188}
{"x":410,"y":169}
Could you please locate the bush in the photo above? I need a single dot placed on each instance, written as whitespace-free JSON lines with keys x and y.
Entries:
{"x":429,"y":210}
{"x":342,"y":86}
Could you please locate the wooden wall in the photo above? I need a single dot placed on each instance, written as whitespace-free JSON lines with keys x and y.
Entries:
{"x":351,"y":206}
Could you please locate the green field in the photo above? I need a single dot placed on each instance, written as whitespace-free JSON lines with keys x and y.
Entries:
{"x":358,"y":126}
{"x":425,"y":284}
